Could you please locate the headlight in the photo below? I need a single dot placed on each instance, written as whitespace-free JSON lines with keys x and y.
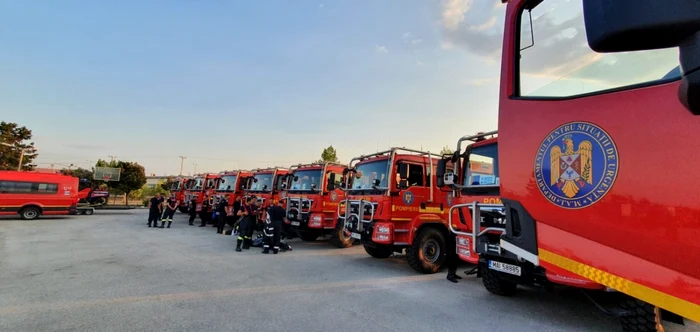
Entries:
{"x":383,"y":230}
{"x":316,"y":218}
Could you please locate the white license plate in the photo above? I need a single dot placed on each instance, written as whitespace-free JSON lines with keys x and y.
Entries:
{"x":295,"y":223}
{"x":506,"y":268}
{"x":356,"y":236}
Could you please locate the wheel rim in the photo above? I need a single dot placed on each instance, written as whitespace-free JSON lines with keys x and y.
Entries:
{"x":29,"y":214}
{"x":431,"y":250}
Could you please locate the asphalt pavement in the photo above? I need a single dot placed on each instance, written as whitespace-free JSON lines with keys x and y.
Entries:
{"x":109,"y":272}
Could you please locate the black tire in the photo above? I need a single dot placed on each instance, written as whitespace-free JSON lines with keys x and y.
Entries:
{"x":89,"y":212}
{"x":428,"y":252}
{"x":644,"y":317}
{"x":495,"y":284}
{"x":378,"y":252}
{"x":308,"y":236}
{"x":30,"y":213}
{"x":340,"y":237}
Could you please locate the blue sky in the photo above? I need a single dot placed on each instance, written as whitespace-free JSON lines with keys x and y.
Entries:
{"x":238,"y":84}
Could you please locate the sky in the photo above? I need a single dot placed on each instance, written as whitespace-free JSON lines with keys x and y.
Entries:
{"x":246,"y":84}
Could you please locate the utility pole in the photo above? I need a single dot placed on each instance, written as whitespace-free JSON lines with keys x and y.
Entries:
{"x":21,"y":154}
{"x":195,"y":168}
{"x":112,"y":157}
{"x":182,"y":162}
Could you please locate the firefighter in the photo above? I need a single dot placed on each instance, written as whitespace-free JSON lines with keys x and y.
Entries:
{"x":221,"y":214}
{"x":246,"y":227}
{"x":192,"y":210}
{"x":205,"y":215}
{"x":169,"y":212}
{"x":452,"y":258}
{"x":155,"y":208}
{"x":276,"y":215}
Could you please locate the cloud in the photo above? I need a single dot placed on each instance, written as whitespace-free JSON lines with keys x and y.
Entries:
{"x":408,"y":39}
{"x":453,"y":12}
{"x":480,"y":37}
{"x":380,"y":49}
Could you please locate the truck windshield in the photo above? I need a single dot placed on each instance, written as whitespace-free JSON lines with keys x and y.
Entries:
{"x":369,"y":172}
{"x":306,"y":180}
{"x":482,"y":169}
{"x":198,"y":182}
{"x":175,"y":185}
{"x":264,"y":182}
{"x":227,"y":183}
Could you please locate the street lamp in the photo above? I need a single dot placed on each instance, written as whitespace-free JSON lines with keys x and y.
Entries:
{"x":21,"y":154}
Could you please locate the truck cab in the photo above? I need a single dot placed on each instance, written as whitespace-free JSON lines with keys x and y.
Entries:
{"x":194,"y":190}
{"x":599,"y":103}
{"x":210,"y":185}
{"x":231,"y":184}
{"x":267,"y":185}
{"x":393,"y":204}
{"x":177,"y":188}
{"x":312,"y":195}
{"x":471,"y":174}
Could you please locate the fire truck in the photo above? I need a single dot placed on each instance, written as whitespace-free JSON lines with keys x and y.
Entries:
{"x":393,"y":204}
{"x":177,"y":188}
{"x":193,"y":190}
{"x":210,"y":184}
{"x":312,"y":200}
{"x":597,"y":176}
{"x":231,"y":184}
{"x":267,"y":186}
{"x":471,"y":173}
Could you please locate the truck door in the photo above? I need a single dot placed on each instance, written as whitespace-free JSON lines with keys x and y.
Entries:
{"x":414,"y":195}
{"x":590,"y":149}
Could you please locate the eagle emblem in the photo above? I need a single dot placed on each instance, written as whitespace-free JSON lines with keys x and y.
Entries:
{"x":408,"y":198}
{"x":571,"y":169}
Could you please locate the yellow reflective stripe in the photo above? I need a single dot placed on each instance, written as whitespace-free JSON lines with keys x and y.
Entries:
{"x":429,"y":209}
{"x":644,"y":293}
{"x":401,"y":219}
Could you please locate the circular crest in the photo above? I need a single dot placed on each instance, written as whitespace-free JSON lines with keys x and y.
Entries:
{"x":408,"y":198}
{"x":334,"y":196}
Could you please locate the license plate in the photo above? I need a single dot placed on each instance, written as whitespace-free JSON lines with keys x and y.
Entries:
{"x":506,"y":268}
{"x":356,"y":236}
{"x":295,"y":223}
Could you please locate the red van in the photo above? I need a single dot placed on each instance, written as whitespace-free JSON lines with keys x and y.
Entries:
{"x":32,"y":194}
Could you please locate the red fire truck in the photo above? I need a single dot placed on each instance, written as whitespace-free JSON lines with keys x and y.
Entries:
{"x":31,"y":194}
{"x":267,"y":185}
{"x":231,"y":184}
{"x":472,"y":174}
{"x":393,"y":204}
{"x":312,"y":200}
{"x":210,"y":184}
{"x":595,"y":195}
{"x":177,"y":188}
{"x":193,"y":190}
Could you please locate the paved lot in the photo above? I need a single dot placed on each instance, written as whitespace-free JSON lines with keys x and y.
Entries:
{"x":109,"y":272}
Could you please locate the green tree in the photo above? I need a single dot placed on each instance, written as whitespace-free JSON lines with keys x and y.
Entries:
{"x":446,"y":150}
{"x":329,"y":155}
{"x":132,"y":177}
{"x":18,"y":140}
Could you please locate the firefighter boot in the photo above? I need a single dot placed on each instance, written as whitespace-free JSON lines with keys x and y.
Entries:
{"x":246,"y":243}
{"x":238,"y":244}
{"x":169,"y":223}
{"x":275,"y":250}
{"x":266,"y":250}
{"x":451,"y":276}
{"x":162,"y":225}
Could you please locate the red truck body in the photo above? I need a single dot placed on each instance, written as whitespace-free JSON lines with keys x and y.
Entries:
{"x":312,"y":196}
{"x":178,"y":190}
{"x":267,"y":185}
{"x":194,"y":189}
{"x":394,"y":204}
{"x":231,"y":184}
{"x":596,"y":196}
{"x":32,"y":194}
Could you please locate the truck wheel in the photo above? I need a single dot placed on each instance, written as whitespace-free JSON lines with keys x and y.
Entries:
{"x":341,"y":237}
{"x":378,"y":252}
{"x":643,"y":317}
{"x":495,"y":285}
{"x":89,"y":211}
{"x":427,"y":254}
{"x":30,"y":213}
{"x":308,"y":236}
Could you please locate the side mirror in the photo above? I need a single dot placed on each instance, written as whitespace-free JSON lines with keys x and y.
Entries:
{"x":296,"y":178}
{"x":403,"y":184}
{"x":331,"y":182}
{"x":403,"y":171}
{"x":284,"y":186}
{"x":223,"y":180}
{"x":346,"y":171}
{"x":448,"y":179}
{"x":255,"y":180}
{"x":440,"y":172}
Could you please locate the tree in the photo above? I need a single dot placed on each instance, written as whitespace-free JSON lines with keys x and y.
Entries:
{"x":329,"y":155}
{"x":446,"y":150}
{"x":18,"y":137}
{"x":133,"y":177}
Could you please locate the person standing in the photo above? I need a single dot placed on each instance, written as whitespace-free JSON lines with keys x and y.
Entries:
{"x":192,"y":210}
{"x":170,"y":207}
{"x":222,"y":212}
{"x":276,"y":215}
{"x":452,"y":258}
{"x":245,"y":232}
{"x":155,"y":208}
{"x":204,"y":214}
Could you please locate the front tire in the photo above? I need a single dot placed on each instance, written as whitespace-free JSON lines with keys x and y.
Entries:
{"x":427,"y":253}
{"x":495,"y":284}
{"x":30,"y":213}
{"x":341,"y":237}
{"x":643,"y":317}
{"x":378,"y":252}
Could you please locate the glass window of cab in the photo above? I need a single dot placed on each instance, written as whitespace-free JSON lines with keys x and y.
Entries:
{"x":556,"y":61}
{"x":482,"y":169}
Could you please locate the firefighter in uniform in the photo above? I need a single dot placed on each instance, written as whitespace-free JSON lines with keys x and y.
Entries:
{"x":155,"y":208}
{"x":452,"y":258}
{"x":169,"y":212}
{"x":247,"y":225}
{"x":221,"y":214}
{"x":276,"y":214}
{"x":205,"y":214}
{"x":192,"y":210}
